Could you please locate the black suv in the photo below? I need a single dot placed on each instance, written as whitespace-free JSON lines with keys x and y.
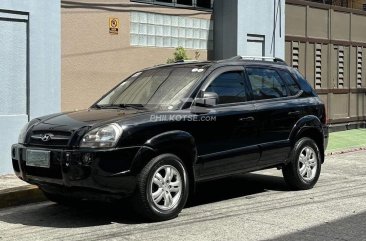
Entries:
{"x":163,"y":129}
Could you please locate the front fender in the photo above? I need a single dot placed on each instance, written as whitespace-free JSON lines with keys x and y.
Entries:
{"x":180,"y":143}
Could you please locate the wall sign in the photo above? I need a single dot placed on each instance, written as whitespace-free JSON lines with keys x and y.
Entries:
{"x":113,"y":25}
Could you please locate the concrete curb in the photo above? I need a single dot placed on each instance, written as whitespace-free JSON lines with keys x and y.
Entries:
{"x":20,"y":195}
{"x":345,"y":151}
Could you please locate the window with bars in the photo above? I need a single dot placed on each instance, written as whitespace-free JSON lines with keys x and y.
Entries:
{"x":340,"y":66}
{"x":295,"y":55}
{"x":318,"y":66}
{"x":359,"y":67}
{"x":202,"y":4}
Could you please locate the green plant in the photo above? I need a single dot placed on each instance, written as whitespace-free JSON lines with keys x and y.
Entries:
{"x":180,"y":54}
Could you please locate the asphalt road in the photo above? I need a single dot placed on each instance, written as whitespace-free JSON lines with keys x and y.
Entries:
{"x":247,"y":207}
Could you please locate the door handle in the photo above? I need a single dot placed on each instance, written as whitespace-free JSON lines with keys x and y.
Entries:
{"x":292,"y":113}
{"x":247,"y":119}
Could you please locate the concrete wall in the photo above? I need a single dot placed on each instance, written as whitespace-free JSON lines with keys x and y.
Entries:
{"x":236,"y":19}
{"x":93,"y":60}
{"x":316,"y":36}
{"x":32,"y":74}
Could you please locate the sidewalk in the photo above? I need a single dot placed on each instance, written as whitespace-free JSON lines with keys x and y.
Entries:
{"x":14,"y":191}
{"x":10,"y":181}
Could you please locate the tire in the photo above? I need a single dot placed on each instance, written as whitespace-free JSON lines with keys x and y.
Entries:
{"x":160,"y":196}
{"x":62,"y":200}
{"x":303,"y":171}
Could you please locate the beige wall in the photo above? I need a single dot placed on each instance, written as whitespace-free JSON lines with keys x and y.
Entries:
{"x":357,"y":4}
{"x":93,"y":61}
{"x":312,"y":24}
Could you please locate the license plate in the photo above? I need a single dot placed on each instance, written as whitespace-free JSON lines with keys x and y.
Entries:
{"x":35,"y":158}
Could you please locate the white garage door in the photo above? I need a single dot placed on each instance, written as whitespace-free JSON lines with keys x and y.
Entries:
{"x":13,"y":82}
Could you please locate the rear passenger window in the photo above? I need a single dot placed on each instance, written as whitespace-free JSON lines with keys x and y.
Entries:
{"x":266,"y":83}
{"x":290,"y":82}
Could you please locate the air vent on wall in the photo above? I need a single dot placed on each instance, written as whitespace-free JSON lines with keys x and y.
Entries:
{"x":295,"y":55}
{"x":318,"y":66}
{"x":340,"y":67}
{"x":359,"y":67}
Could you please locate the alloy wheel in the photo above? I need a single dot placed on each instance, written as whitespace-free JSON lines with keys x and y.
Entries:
{"x":307,"y":164}
{"x":166,"y":188}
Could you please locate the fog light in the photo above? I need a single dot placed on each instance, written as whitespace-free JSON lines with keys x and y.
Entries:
{"x":87,"y":159}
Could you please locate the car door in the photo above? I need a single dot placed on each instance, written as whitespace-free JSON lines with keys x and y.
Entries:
{"x":276,"y":112}
{"x":226,"y":144}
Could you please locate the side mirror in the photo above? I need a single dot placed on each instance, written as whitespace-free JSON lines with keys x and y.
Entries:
{"x":206,"y":99}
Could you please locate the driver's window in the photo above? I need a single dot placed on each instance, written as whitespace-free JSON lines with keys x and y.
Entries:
{"x":229,"y":87}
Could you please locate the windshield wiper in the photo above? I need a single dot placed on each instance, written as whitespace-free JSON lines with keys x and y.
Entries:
{"x":120,"y":106}
{"x":134,"y":106}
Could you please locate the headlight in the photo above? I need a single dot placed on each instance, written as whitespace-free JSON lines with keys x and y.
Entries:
{"x":23,"y":132}
{"x":102,"y":137}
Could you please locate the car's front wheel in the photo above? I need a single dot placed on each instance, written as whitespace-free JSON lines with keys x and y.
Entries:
{"x":303,"y":171}
{"x":162,"y":188}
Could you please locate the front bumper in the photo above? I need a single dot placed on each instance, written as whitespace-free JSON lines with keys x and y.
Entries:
{"x":73,"y":172}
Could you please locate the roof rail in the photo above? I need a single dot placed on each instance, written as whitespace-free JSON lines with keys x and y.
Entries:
{"x":260,"y":58}
{"x":187,"y":61}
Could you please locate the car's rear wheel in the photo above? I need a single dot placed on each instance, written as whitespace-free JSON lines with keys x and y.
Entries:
{"x":303,"y":171}
{"x":162,"y":188}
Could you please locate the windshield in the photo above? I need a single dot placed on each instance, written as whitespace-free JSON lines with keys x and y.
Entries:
{"x":163,"y":88}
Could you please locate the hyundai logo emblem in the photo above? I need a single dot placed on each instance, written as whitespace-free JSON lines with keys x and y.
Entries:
{"x":46,"y":137}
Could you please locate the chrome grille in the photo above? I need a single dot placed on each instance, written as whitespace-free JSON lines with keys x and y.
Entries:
{"x":50,"y":138}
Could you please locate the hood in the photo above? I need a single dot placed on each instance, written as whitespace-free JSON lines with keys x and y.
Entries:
{"x":73,"y":121}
